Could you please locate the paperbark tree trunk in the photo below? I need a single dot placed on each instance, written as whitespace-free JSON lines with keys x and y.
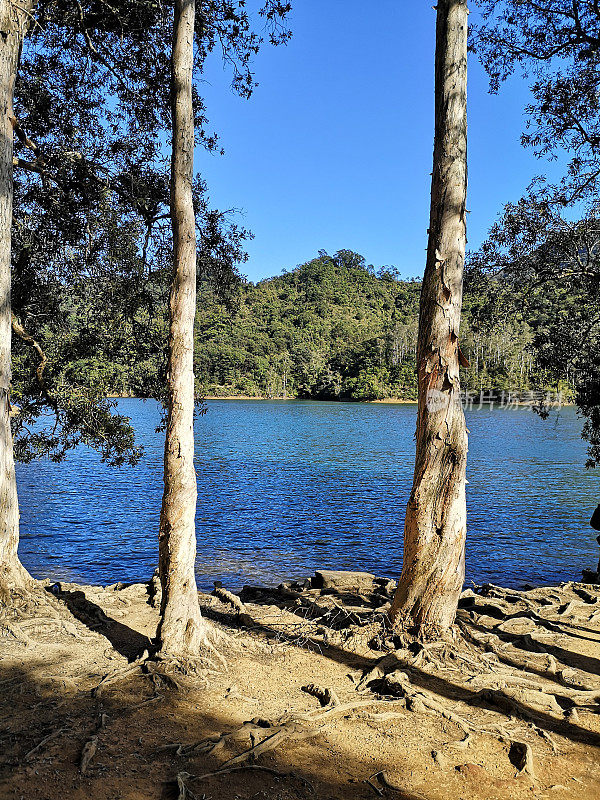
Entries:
{"x":13,"y":25}
{"x":435,"y":529}
{"x":182,"y":630}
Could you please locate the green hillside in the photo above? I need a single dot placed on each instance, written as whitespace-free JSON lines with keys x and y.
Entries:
{"x":336,"y":328}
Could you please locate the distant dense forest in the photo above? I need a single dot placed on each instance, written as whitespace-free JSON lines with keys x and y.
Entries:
{"x":335,"y":328}
{"x":332,"y":328}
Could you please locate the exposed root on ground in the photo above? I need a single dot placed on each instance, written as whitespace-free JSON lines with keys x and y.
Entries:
{"x":88,"y":752}
{"x":326,"y":696}
{"x":228,"y":597}
{"x":204,"y":658}
{"x":31,"y":613}
{"x":135,"y":668}
{"x":264,"y":736}
{"x":490,"y":675}
{"x":383,"y":779}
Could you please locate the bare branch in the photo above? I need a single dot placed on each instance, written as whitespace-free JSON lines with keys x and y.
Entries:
{"x":20,"y":331}
{"x":99,"y":57}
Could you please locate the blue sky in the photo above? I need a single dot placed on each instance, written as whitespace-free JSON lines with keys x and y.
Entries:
{"x":334,"y":148}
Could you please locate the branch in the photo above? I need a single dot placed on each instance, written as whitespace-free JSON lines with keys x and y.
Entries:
{"x":31,"y":166}
{"x":27,"y":12}
{"x":587,"y":332}
{"x":20,"y":331}
{"x":98,"y":55}
{"x":22,"y":136}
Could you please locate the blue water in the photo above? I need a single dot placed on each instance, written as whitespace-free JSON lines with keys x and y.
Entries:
{"x":287,"y":487}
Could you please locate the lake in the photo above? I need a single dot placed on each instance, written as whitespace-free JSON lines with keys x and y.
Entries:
{"x":285,"y":487}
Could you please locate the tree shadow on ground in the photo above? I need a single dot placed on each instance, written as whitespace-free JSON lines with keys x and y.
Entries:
{"x":46,"y":722}
{"x":449,"y":691}
{"x":125,"y":640}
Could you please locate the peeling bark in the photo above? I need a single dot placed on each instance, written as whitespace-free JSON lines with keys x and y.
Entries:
{"x":13,"y":26}
{"x":435,"y":528}
{"x":182,"y":631}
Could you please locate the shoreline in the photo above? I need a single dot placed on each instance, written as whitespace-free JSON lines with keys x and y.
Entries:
{"x":391,"y":400}
{"x":494,"y":403}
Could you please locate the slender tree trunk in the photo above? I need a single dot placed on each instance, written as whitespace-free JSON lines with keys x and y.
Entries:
{"x":182,"y":630}
{"x":13,"y":25}
{"x":435,"y":529}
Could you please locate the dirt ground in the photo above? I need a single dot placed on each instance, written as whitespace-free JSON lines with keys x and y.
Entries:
{"x":508,"y":708}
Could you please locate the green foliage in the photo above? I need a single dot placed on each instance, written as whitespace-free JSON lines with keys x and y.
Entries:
{"x":550,"y":269}
{"x":556,"y":45}
{"x":547,"y":259}
{"x":334,"y":328}
{"x":91,"y":243}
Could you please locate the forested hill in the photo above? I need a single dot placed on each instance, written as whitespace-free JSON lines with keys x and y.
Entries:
{"x":335,"y":328}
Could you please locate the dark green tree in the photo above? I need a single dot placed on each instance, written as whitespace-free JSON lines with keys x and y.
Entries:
{"x":90,"y":82}
{"x":556,"y":45}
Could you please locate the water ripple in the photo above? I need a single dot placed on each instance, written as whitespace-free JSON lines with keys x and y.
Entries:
{"x":286,"y":487}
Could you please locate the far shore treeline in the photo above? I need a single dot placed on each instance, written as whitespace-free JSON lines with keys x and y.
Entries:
{"x":333,"y":328}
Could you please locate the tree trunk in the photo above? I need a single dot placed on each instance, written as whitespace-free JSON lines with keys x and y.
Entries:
{"x":435,"y":528}
{"x":13,"y":25}
{"x":182,"y":630}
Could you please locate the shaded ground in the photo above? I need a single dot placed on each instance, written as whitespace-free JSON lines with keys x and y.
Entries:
{"x":450,"y":721}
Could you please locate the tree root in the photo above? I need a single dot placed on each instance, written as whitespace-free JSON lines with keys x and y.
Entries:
{"x":34,"y":608}
{"x":156,"y":698}
{"x":208,"y":659}
{"x":289,"y":726}
{"x":44,"y":741}
{"x":514,"y":701}
{"x":376,"y":789}
{"x":12,"y":629}
{"x":228,"y":597}
{"x":88,"y":752}
{"x":289,"y":730}
{"x":384,"y":781}
{"x":546,"y":737}
{"x":521,"y":756}
{"x":327,"y":697}
{"x":264,"y":736}
{"x":423,"y":701}
{"x":216,"y":743}
{"x":385,"y":716}
{"x":119,"y":674}
{"x":154,"y":589}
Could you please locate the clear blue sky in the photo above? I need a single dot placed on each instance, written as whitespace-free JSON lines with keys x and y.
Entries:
{"x":334,"y":148}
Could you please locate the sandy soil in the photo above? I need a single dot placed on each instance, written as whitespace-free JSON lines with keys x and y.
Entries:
{"x":449,"y":721}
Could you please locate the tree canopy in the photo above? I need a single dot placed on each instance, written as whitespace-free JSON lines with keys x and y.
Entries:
{"x":539,"y":245}
{"x":92,"y":240}
{"x":556,"y":45}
